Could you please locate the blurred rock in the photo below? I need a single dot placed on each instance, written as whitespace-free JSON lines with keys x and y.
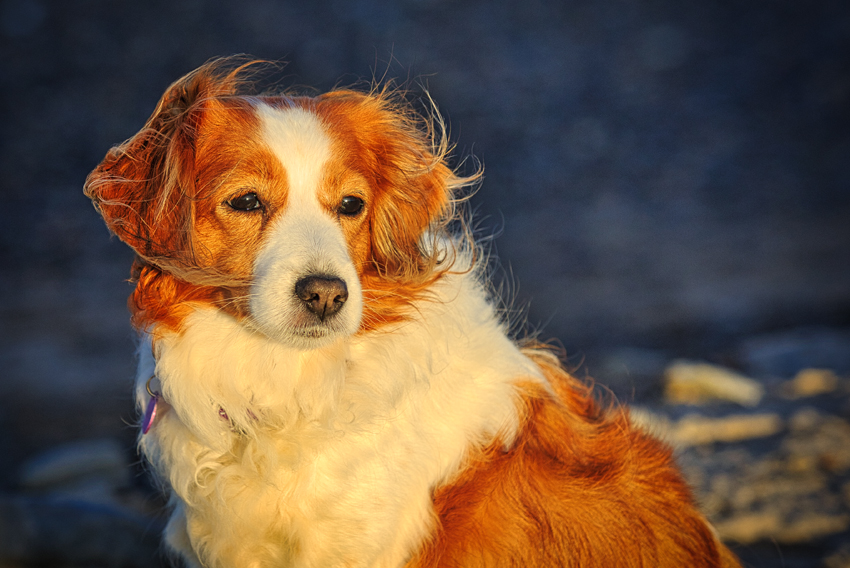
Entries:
{"x":776,"y":473}
{"x":806,"y":419}
{"x":839,"y":559}
{"x":746,"y":529}
{"x":818,"y":439}
{"x":89,"y":470}
{"x":811,"y":382}
{"x":749,"y":528}
{"x":689,"y":382}
{"x":790,"y":489}
{"x":74,"y":461}
{"x":694,"y":430}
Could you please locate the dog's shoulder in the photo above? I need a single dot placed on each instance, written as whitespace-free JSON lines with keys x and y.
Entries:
{"x":579,"y":482}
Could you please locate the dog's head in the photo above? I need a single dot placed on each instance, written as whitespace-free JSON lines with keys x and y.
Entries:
{"x":302,"y":216}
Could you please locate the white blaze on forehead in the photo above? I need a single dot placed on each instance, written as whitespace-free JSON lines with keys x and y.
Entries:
{"x":305,"y":240}
{"x":298,"y":139}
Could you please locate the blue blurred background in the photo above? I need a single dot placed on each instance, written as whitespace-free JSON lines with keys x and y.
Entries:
{"x":664,"y":178}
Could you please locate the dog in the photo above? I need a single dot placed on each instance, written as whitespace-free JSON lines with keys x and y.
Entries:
{"x":325,"y":378}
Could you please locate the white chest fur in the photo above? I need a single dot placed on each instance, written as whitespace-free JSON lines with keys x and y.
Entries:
{"x":329,"y":456}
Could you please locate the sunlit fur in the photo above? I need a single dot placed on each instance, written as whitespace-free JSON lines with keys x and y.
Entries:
{"x":407,"y":429}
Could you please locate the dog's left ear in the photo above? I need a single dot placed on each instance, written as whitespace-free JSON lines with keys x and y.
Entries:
{"x":140,"y":185}
{"x":145,"y":187}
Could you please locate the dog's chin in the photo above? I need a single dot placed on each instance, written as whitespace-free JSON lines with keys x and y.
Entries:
{"x":315,"y":337}
{"x":305,"y":338}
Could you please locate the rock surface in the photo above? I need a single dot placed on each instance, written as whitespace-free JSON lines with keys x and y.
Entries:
{"x":780,"y":477}
{"x":63,"y":466}
{"x":689,"y":382}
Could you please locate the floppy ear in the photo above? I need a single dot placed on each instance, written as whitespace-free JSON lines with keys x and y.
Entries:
{"x":144,"y":188}
{"x":419,"y":193}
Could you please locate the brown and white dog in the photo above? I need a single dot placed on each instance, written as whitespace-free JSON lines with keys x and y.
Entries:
{"x":326,"y":380}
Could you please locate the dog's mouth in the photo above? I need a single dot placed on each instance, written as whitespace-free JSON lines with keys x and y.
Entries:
{"x":308,"y":325}
{"x":305,"y":335}
{"x":313,"y":336}
{"x":315,"y":332}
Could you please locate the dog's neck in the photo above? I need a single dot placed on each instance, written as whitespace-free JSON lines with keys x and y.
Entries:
{"x":220,"y":377}
{"x":157,"y":406}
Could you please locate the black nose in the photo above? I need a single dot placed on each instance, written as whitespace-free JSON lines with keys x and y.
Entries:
{"x":322,"y":295}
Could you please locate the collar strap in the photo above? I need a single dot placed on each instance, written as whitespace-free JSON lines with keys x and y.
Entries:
{"x":157,"y":403}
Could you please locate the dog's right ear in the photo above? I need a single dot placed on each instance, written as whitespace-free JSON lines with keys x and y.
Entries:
{"x":144,"y":188}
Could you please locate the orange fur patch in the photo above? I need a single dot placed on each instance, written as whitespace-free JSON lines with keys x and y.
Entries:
{"x":580,"y":487}
{"x":409,"y":188}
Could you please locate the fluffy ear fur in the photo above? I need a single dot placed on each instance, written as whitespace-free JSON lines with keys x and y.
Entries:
{"x":144,"y":188}
{"x":415,"y":190}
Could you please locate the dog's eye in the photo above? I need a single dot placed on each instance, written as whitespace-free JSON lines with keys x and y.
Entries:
{"x":350,"y":205}
{"x":247,"y":202}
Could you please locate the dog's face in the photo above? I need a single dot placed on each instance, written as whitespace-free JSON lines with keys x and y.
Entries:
{"x":300,"y":216}
{"x":296,"y":213}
